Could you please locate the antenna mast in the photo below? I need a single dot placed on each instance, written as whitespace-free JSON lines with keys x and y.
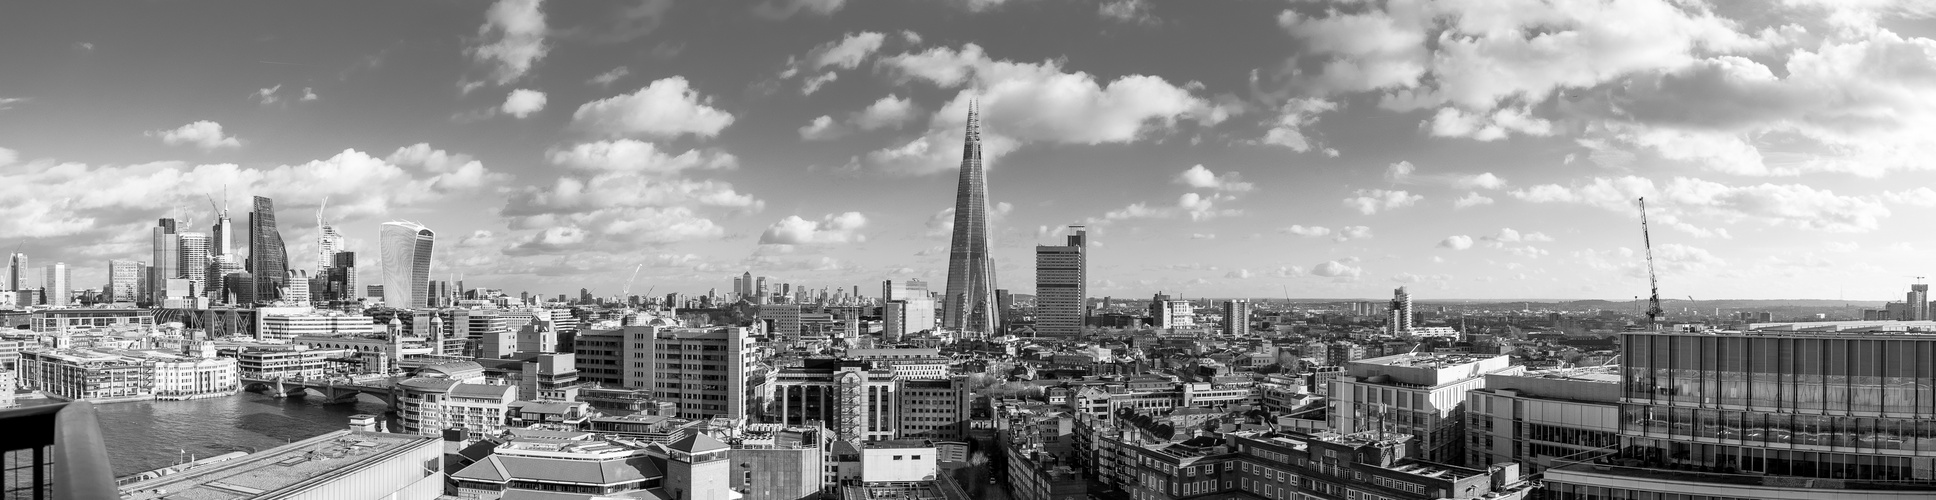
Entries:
{"x":1653,"y":282}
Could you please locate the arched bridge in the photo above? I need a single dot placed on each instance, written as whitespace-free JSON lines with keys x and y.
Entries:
{"x":333,"y":390}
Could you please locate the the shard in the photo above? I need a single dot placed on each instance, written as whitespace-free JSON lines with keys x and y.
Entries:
{"x":969,"y":308}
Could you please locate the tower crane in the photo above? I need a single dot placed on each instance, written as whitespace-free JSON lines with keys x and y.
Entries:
{"x":1653,"y":282}
{"x":627,"y":293}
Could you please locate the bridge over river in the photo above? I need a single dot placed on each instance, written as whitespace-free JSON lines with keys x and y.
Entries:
{"x":331,"y":389}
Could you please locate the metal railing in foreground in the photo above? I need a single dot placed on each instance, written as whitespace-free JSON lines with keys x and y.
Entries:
{"x":54,"y":452}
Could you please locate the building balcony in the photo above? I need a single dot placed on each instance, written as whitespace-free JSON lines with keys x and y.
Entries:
{"x":54,"y":451}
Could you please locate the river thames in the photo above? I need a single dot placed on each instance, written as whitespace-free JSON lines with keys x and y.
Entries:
{"x":147,"y":435}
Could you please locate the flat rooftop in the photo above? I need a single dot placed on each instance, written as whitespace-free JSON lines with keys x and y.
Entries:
{"x":898,"y":443}
{"x":1431,"y":360}
{"x":1600,"y":374}
{"x":265,"y":472}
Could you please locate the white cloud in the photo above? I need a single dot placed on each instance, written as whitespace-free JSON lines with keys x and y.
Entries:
{"x":1370,"y":201}
{"x":666,"y":108}
{"x":1241,"y":274}
{"x":1127,"y":11}
{"x":308,"y":95}
{"x":822,"y":128}
{"x":888,"y":112}
{"x":522,"y":103}
{"x":1400,"y":172}
{"x":1919,"y":197}
{"x":1336,"y":269}
{"x":1296,"y":115}
{"x":1349,"y":233}
{"x":1201,"y":178}
{"x":1308,"y":231}
{"x":848,"y":52}
{"x":814,"y":83}
{"x":1454,"y":122}
{"x":793,"y":230}
{"x":1203,"y":236}
{"x":266,"y":96}
{"x":8,"y":156}
{"x":1456,"y":242}
{"x":1480,"y":181}
{"x":203,"y":134}
{"x":513,"y":39}
{"x":1793,"y":205}
{"x":640,"y":157}
{"x":607,"y":78}
{"x":1471,"y":200}
{"x":782,"y":9}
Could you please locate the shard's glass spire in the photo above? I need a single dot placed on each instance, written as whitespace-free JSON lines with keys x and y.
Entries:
{"x":970,"y":307}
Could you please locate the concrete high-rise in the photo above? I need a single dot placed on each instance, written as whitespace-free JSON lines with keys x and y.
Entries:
{"x":405,"y":249}
{"x":1918,"y":302}
{"x":58,"y":285}
{"x":328,"y":242}
{"x":1236,"y":317}
{"x":1062,"y":286}
{"x":1399,"y":317}
{"x":969,"y":306}
{"x":221,"y":236}
{"x":268,"y":258}
{"x":167,"y":261}
{"x":124,"y":280}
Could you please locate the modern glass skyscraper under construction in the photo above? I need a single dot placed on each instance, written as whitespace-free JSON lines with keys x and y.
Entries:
{"x":1766,"y":415}
{"x":969,"y":307}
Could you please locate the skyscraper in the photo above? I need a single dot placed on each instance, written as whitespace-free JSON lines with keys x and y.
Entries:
{"x":167,"y":261}
{"x":327,"y":244}
{"x":17,"y":271}
{"x":1399,"y":317}
{"x":124,"y":279}
{"x":969,"y":307}
{"x":57,"y":285}
{"x":1061,"y":286}
{"x":268,"y":259}
{"x":1236,"y":317}
{"x":405,"y":249}
{"x":193,"y":266}
{"x":221,"y":236}
{"x":1918,"y":300}
{"x":341,"y":277}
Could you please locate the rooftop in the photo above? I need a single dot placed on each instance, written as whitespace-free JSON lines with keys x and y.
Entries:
{"x":277,"y":468}
{"x":898,"y":443}
{"x":1428,"y":360}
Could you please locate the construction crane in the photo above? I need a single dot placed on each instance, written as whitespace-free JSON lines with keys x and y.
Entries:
{"x":627,"y":293}
{"x":1653,"y":281}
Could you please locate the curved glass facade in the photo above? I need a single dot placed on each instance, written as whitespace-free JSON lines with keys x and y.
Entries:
{"x":404,"y":248}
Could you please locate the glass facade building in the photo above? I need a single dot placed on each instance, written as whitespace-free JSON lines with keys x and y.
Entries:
{"x":268,"y":259}
{"x":405,"y":249}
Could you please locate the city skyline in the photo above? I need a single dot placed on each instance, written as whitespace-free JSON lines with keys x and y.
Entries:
{"x":1345,"y":151}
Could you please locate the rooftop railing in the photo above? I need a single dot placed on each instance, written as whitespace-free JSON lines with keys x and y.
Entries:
{"x":54,"y":452}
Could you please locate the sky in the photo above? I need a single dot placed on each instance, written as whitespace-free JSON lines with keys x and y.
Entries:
{"x":1464,"y":149}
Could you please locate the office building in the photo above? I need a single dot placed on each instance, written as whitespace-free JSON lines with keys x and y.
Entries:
{"x":287,"y":323}
{"x":430,"y":405}
{"x":294,"y":362}
{"x":328,"y":242}
{"x":193,"y":267}
{"x":221,"y":269}
{"x":124,"y":279}
{"x":706,"y":372}
{"x":908,"y":363}
{"x":1166,"y":313}
{"x":341,"y":278}
{"x":86,"y":375}
{"x":969,"y":306}
{"x":894,"y":320}
{"x":268,"y":262}
{"x":785,"y":318}
{"x":1399,"y":317}
{"x":58,"y":285}
{"x":71,"y":321}
{"x":934,"y":409}
{"x":1062,"y":286}
{"x":166,"y":262}
{"x":782,"y":463}
{"x":405,"y":250}
{"x":855,"y":398}
{"x":221,"y":235}
{"x":1236,"y":317}
{"x":1539,"y":417}
{"x":339,"y":464}
{"x":17,"y":272}
{"x":1766,"y":415}
{"x":1421,"y":395}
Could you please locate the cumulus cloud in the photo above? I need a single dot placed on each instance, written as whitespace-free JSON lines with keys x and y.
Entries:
{"x":782,"y":9}
{"x":666,"y":108}
{"x":1793,"y":205}
{"x":1471,"y":200}
{"x":1919,"y":197}
{"x":823,"y":62}
{"x":1348,"y":233}
{"x":522,"y":103}
{"x":1456,"y":242}
{"x":203,"y":134}
{"x":1201,"y":178}
{"x":1033,"y":102}
{"x":1294,"y":117}
{"x":1241,"y":274}
{"x":1371,"y":201}
{"x":632,"y":156}
{"x":793,"y":230}
{"x":888,"y":112}
{"x":267,"y":96}
{"x":607,"y":78}
{"x":822,"y":128}
{"x":1127,"y":11}
{"x":1308,"y":231}
{"x":1336,"y":269}
{"x":308,"y":95}
{"x":512,"y":39}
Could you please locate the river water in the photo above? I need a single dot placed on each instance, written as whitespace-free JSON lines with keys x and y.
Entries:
{"x":148,"y":435}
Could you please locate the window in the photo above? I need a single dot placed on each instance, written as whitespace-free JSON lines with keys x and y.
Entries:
{"x":897,"y":457}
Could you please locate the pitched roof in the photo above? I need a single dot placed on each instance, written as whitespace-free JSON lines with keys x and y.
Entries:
{"x":698,"y":443}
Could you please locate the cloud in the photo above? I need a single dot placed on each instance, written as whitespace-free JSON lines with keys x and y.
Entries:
{"x":1032,"y":102}
{"x":1480,"y":181}
{"x":813,"y":83}
{"x":1348,"y":233}
{"x":8,"y":157}
{"x":1370,"y":201}
{"x":1201,"y":178}
{"x":1203,"y":236}
{"x":823,"y":61}
{"x":1126,"y":11}
{"x":638,"y":157}
{"x":1308,"y":231}
{"x":84,"y":46}
{"x":512,"y":39}
{"x":1793,"y":205}
{"x":822,"y":128}
{"x":888,"y":112}
{"x":266,"y":96}
{"x":203,"y":134}
{"x":607,"y":78}
{"x":793,"y":230}
{"x":1242,"y":274}
{"x":522,"y":103}
{"x":1471,"y":200}
{"x":1456,"y":242}
{"x":1336,"y":269}
{"x":778,"y":10}
{"x":1195,"y":206}
{"x":308,"y":95}
{"x":7,"y":103}
{"x":667,"y":108}
{"x":1293,"y":118}
{"x":1919,"y":197}
{"x":942,"y":223}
